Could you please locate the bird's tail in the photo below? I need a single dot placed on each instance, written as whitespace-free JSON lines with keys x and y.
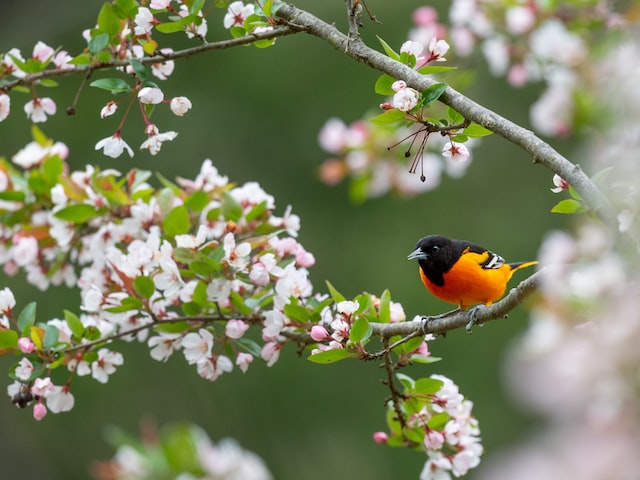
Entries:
{"x":518,"y":265}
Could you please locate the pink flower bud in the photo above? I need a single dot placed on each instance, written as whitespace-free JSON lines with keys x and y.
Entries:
{"x":380,"y":437}
{"x":39,"y":411}
{"x":25,"y":345}
{"x":319,"y":333}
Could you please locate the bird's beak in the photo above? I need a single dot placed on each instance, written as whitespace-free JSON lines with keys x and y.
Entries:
{"x":417,"y":254}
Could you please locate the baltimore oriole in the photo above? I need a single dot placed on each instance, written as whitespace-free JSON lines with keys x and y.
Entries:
{"x":461,"y":272}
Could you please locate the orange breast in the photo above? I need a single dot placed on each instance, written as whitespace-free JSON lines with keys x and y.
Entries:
{"x":467,"y":283}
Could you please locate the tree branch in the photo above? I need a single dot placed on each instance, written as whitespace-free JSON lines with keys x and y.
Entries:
{"x":460,"y":318}
{"x":279,"y":31}
{"x":541,"y":151}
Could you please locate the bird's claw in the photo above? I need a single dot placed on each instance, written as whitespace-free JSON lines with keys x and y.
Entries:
{"x":473,"y":318}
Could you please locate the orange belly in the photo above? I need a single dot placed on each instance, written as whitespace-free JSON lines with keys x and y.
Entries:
{"x":467,"y":283}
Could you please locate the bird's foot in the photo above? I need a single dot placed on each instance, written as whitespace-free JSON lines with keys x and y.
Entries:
{"x":431,"y":318}
{"x":473,"y":318}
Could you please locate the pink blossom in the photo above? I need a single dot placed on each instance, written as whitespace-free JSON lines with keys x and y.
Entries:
{"x":24,"y":369}
{"x":11,"y":66}
{"x":414,"y":48}
{"x":380,"y":437}
{"x":332,"y":136}
{"x":160,"y":4}
{"x":455,"y":151}
{"x":520,"y":19}
{"x":163,"y":70}
{"x":41,"y":386}
{"x":237,"y":13}
{"x":5,"y":106}
{"x":38,"y":109}
{"x":144,"y":21}
{"x":150,"y":95}
{"x":243,"y":360}
{"x":25,"y":345}
{"x":61,"y":60}
{"x":433,"y":440}
{"x":25,"y":250}
{"x":270,"y":353}
{"x":196,"y":347}
{"x":424,"y":16}
{"x":398,"y":85}
{"x":42,"y":52}
{"x":59,"y":399}
{"x":39,"y":411}
{"x":109,"y":109}
{"x":236,"y":329}
{"x":437,"y":50}
{"x":560,"y":184}
{"x":113,"y":146}
{"x":319,"y":333}
{"x":406,"y":99}
{"x":105,"y":365}
{"x":347,"y":307}
{"x":7,"y":300}
{"x":180,"y":105}
{"x":236,"y":256}
{"x":163,"y":345}
{"x":154,"y":142}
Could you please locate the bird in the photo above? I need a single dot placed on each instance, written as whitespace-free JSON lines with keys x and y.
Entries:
{"x":461,"y":272}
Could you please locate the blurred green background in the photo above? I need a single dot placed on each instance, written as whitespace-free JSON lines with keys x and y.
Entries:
{"x":256,"y":115}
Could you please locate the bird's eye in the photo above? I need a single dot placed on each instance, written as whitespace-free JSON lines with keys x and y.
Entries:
{"x":435,"y":249}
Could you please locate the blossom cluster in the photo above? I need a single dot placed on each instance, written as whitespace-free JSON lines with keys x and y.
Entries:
{"x":181,"y":451}
{"x":437,"y":419}
{"x":373,"y":153}
{"x":126,"y":37}
{"x":186,"y":268}
{"x":528,"y":41}
{"x":360,"y":151}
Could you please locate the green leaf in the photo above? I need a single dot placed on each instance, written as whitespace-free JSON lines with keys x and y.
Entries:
{"x":171,"y":27}
{"x":8,"y":339}
{"x":454,"y":116}
{"x":297,"y":313}
{"x":388,"y":50}
{"x":197,"y":201}
{"x":77,"y":213}
{"x":424,"y":359}
{"x":231,"y":209}
{"x":144,"y":286}
{"x":407,"y":382}
{"x":177,"y":221}
{"x":335,"y":294}
{"x":330,"y":356}
{"x":360,"y":331}
{"x":249,"y":345}
{"x":568,"y":206}
{"x":389,"y":117}
{"x":256,"y":211}
{"x":125,"y":9}
{"x":191,"y":309}
{"x":476,"y":131}
{"x":51,"y":335}
{"x":432,"y":93}
{"x":82,"y":59}
{"x":383,"y":85}
{"x":48,"y":82}
{"x":108,"y":22}
{"x":74,"y":323}
{"x":139,"y":69}
{"x":385,"y":307}
{"x":27,"y":316}
{"x":431,"y":69}
{"x":438,"y":421}
{"x":114,"y":85}
{"x":38,"y":136}
{"x":98,"y":43}
{"x":126,"y":305}
{"x":238,"y":303}
{"x":411,"y":344}
{"x":428,"y":386}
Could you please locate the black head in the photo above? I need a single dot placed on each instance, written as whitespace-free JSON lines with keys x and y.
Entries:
{"x":436,"y":255}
